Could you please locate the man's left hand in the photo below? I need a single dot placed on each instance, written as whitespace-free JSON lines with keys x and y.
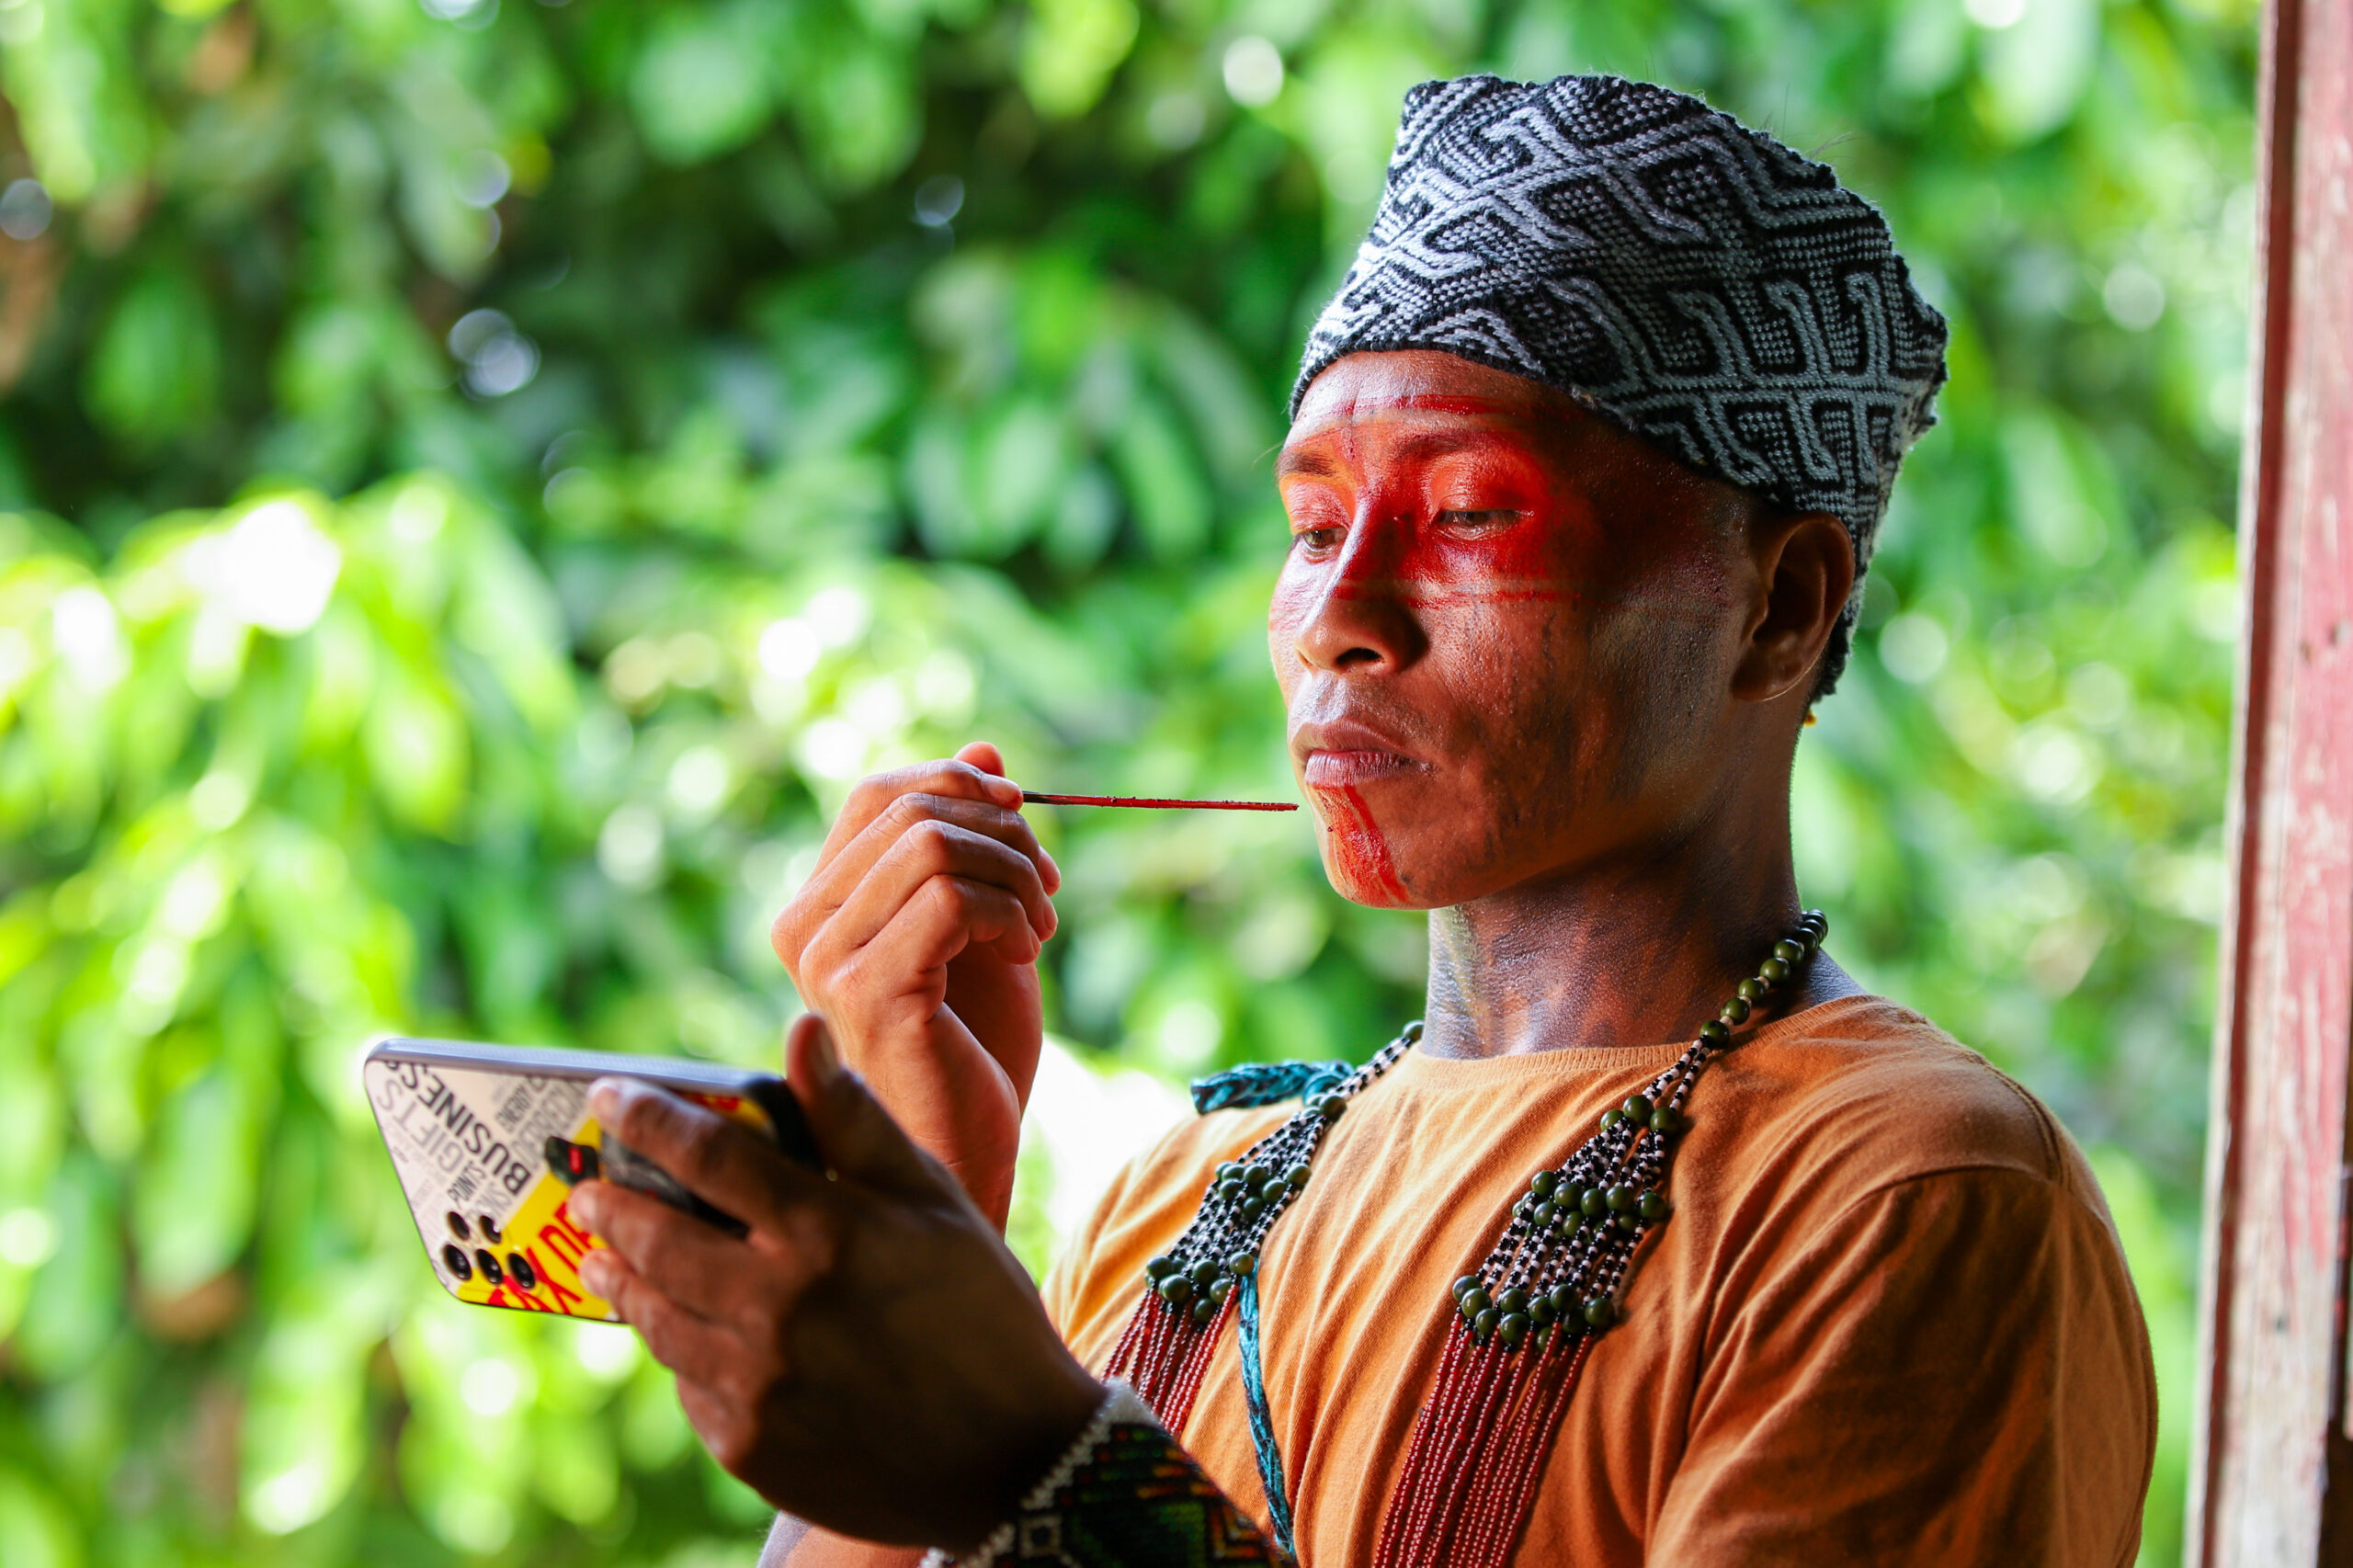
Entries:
{"x":869,"y":1358}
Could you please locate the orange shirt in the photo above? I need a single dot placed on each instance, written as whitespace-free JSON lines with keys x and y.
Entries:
{"x":1889,"y":1321}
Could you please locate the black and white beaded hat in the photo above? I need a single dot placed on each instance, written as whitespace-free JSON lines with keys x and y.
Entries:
{"x":1693,"y":280}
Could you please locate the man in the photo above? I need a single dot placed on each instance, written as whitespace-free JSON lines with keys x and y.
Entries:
{"x":1662,"y":1242}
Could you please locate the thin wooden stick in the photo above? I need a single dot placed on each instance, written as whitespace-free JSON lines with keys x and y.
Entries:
{"x":1034,"y":798}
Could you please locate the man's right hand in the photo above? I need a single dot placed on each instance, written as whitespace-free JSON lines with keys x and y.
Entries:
{"x":918,"y":938}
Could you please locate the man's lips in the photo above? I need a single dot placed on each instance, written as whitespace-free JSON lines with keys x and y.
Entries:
{"x":1343,"y":752}
{"x":1333,"y":770}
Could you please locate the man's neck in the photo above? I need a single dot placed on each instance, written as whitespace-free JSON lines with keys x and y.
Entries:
{"x":1620,"y":956}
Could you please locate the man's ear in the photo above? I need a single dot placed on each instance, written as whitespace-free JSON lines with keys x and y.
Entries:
{"x":1805,"y":569}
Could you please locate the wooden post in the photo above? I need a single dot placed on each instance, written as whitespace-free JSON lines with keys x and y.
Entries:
{"x":2272,"y":1476}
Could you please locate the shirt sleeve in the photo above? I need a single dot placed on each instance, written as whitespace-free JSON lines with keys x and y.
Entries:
{"x":1953,"y":1372}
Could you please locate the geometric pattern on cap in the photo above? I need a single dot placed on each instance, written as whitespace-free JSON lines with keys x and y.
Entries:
{"x":1690,"y":279}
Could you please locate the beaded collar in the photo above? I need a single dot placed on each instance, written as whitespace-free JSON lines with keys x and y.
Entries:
{"x":1524,"y":1319}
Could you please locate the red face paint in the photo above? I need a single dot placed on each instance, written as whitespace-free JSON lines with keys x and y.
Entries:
{"x":1477,"y":569}
{"x":1359,"y":853}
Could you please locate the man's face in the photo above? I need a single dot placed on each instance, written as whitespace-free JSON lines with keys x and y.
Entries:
{"x":1505,"y":631}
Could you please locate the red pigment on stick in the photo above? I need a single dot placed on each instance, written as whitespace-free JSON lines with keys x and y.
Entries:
{"x":1031,"y":797}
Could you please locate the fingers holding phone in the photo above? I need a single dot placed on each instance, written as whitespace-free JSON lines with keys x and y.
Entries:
{"x":868,"y":1356}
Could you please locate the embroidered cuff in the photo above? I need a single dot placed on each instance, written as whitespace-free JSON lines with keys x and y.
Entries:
{"x":1123,"y":1492}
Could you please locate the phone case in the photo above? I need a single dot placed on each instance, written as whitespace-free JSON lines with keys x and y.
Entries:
{"x":488,"y":1141}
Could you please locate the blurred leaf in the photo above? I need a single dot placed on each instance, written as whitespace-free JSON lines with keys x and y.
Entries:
{"x":157,"y":367}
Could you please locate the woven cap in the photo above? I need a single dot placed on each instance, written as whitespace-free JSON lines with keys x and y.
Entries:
{"x":1695,"y":281}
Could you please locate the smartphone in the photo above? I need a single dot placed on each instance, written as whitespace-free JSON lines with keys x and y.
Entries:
{"x":488,"y":1141}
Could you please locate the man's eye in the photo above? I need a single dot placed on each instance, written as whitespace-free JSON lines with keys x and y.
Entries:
{"x":1317,"y":541}
{"x":1463,"y":517}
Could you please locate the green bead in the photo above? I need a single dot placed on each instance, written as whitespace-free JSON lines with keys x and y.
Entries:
{"x":1620,"y":1199}
{"x":1772,"y":972}
{"x":1513,"y":1301}
{"x":1638,"y":1108}
{"x":1541,"y":1312}
{"x":1563,"y":1216}
{"x":1330,"y":1107}
{"x":1544,"y":1183}
{"x":1736,"y":1011}
{"x":1253,"y":1205}
{"x":1629,"y":1224}
{"x":1654,"y":1206}
{"x":1230,"y":1191}
{"x":1513,"y":1328}
{"x":1475,"y":1302}
{"x":1751,"y":991}
{"x":1542,"y":1215}
{"x":1789,"y":952}
{"x":1296,"y":1177}
{"x":1204,"y":1311}
{"x":1485,"y":1324}
{"x":1228,"y":1169}
{"x":1563,"y":1300}
{"x":1175,"y":1289}
{"x":1413,"y":1030}
{"x":1202,"y":1273}
{"x":1240,"y":1263}
{"x":1594,"y":1201}
{"x":1600,"y":1313}
{"x":1664,"y":1120}
{"x":1159,"y":1268}
{"x":1539,"y":1333}
{"x":1219,"y":1289}
{"x":1714,"y":1032}
{"x":1464,"y":1286}
{"x":1610,"y":1118}
{"x":1256,"y":1178}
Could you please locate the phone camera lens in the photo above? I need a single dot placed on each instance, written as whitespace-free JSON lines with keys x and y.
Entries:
{"x":489,"y":1266}
{"x":519,"y":1269}
{"x":457,"y":1226}
{"x":489,"y":1229}
{"x":459,"y":1264}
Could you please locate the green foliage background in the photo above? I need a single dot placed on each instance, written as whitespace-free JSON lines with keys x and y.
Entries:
{"x":867,"y":375}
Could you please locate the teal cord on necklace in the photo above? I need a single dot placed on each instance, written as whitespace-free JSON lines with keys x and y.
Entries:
{"x":1262,"y":1421}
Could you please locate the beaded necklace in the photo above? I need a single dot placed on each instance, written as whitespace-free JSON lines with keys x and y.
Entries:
{"x":1524,"y":1319}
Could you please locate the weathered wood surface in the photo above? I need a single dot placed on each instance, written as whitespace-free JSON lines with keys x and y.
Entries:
{"x":2272,"y":1478}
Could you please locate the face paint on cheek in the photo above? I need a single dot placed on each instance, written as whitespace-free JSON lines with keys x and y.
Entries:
{"x":1360,"y":860}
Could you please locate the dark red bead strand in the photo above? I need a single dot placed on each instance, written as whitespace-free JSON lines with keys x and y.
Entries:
{"x":1474,"y":1536}
{"x":1201,"y":1346}
{"x":1425,"y":1507}
{"x":1439,"y":1429}
{"x":1430,"y":1426}
{"x":1507,"y":1481}
{"x":1432,"y":1493}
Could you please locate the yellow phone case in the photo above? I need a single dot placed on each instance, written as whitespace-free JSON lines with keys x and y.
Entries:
{"x":487,"y":1142}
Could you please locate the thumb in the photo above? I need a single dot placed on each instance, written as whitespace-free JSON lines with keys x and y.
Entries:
{"x":983,"y":756}
{"x":855,"y":1135}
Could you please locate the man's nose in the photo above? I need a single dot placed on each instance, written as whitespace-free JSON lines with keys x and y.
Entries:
{"x":1362,"y":619}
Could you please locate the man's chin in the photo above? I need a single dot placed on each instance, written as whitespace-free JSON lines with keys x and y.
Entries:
{"x":1371,"y":894}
